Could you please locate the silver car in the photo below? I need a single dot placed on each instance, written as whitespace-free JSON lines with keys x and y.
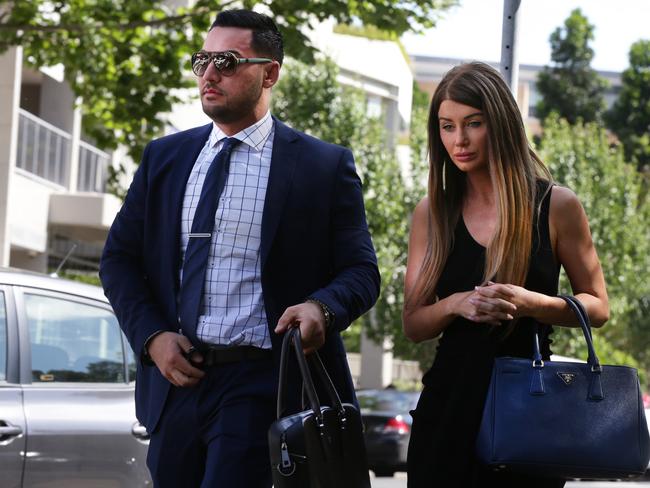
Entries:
{"x":67,"y":411}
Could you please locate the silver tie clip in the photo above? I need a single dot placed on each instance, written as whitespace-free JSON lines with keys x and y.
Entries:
{"x":200,"y":234}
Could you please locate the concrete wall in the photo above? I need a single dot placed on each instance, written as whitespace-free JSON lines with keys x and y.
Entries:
{"x":10,"y":63}
{"x":33,"y":261}
{"x":402,"y":370}
{"x":376,"y":362}
{"x":57,"y":104}
{"x":28,"y":215}
{"x":83,"y":216}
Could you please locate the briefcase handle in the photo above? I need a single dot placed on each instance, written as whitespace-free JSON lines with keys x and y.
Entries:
{"x":595,"y":390}
{"x":317,"y":365}
{"x":293,"y":336}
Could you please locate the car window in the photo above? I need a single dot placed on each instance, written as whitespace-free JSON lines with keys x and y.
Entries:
{"x":72,"y":341}
{"x":130,"y":362}
{"x":3,"y":338}
{"x":388,"y":400}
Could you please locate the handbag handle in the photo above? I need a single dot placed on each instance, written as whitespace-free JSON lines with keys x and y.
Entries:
{"x":580,"y":312}
{"x":293,"y":335}
{"x":595,"y":389}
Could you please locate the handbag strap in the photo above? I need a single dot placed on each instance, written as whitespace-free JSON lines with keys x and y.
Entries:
{"x":579,"y":309}
{"x":595,"y":387}
{"x":293,"y":336}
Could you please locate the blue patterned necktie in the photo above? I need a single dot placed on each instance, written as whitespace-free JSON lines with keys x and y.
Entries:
{"x":198,"y":247}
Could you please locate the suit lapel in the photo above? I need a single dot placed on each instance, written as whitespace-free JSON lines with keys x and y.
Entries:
{"x":283,"y":162}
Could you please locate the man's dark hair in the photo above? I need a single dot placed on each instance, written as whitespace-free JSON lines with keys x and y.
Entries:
{"x":267,"y":40}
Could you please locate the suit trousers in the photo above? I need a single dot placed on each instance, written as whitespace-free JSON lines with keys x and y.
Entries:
{"x":214,"y":435}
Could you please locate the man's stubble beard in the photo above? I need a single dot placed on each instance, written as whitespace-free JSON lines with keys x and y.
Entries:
{"x":234,"y":109}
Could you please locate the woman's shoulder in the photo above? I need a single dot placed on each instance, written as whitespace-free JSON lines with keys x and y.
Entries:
{"x":420,"y":216}
{"x":565,"y":208}
{"x":563,"y":199}
{"x":422,"y":204}
{"x":421,"y":211}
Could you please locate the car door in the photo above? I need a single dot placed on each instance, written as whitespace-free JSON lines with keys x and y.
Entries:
{"x":79,"y":406}
{"x":12,"y":418}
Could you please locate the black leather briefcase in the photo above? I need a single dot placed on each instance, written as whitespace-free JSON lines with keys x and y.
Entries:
{"x":323,"y":446}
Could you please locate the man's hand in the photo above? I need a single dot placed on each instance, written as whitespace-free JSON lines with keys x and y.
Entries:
{"x":309,"y":317}
{"x":168,"y":351}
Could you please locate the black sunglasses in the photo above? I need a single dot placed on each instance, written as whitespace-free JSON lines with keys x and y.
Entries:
{"x":225,"y":62}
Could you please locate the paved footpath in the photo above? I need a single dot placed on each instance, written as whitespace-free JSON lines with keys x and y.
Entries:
{"x":399,"y":481}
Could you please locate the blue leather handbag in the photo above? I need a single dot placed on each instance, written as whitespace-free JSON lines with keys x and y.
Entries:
{"x":564,"y":419}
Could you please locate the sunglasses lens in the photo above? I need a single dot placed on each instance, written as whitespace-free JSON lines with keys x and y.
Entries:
{"x":226,"y":63}
{"x":200,"y":63}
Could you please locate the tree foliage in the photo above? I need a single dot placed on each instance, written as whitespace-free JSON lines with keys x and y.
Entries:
{"x":124,"y":58}
{"x":418,"y":142}
{"x":309,"y":97}
{"x":581,"y":158}
{"x":629,"y":117}
{"x":570,"y":86}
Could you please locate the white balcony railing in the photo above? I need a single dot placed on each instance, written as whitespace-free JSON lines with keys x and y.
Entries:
{"x":93,"y":168}
{"x":43,"y":149}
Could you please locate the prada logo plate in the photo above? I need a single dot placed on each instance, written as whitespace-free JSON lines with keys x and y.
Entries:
{"x":567,"y":378}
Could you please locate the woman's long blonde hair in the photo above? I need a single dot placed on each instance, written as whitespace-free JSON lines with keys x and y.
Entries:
{"x":514,"y":169}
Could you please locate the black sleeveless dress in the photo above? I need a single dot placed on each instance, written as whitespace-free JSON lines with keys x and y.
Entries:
{"x":448,"y":414}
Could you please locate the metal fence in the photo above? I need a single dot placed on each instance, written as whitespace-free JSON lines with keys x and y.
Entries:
{"x":93,"y":167}
{"x":43,"y":149}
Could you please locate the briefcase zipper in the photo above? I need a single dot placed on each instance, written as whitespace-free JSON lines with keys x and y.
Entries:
{"x":284,"y":452}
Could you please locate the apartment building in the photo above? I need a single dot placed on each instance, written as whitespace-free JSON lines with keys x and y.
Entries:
{"x":52,"y":182}
{"x":429,"y":70}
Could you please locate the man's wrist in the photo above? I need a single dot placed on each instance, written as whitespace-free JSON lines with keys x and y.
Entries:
{"x":146,"y":359}
{"x":326,"y":310}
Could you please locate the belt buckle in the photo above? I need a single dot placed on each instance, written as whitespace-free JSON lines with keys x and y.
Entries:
{"x":214,"y":354}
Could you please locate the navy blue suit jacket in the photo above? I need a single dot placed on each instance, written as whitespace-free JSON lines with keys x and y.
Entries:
{"x":315,"y":242}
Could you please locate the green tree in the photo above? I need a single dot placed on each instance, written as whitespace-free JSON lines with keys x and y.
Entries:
{"x":570,"y":86}
{"x":310,"y":98}
{"x":418,"y":142}
{"x":581,"y":158}
{"x":125,"y":58}
{"x":629,"y":117}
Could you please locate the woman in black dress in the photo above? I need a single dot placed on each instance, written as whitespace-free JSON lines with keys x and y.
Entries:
{"x":485,"y":252}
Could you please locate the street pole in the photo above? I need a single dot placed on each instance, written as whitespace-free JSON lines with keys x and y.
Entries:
{"x":509,"y":61}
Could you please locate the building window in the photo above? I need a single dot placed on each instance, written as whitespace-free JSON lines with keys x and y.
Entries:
{"x":374,"y":106}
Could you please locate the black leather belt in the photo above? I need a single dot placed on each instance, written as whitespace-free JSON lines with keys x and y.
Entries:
{"x":213,"y":355}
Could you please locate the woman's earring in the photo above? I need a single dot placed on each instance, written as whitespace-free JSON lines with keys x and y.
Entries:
{"x":444,"y":175}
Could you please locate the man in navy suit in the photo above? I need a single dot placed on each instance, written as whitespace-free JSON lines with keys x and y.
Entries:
{"x":290,"y":247}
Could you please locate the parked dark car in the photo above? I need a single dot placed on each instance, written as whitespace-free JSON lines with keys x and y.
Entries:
{"x":67,"y":411}
{"x":387,"y":425}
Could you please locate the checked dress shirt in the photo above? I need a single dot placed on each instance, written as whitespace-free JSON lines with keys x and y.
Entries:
{"x":232,"y":307}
